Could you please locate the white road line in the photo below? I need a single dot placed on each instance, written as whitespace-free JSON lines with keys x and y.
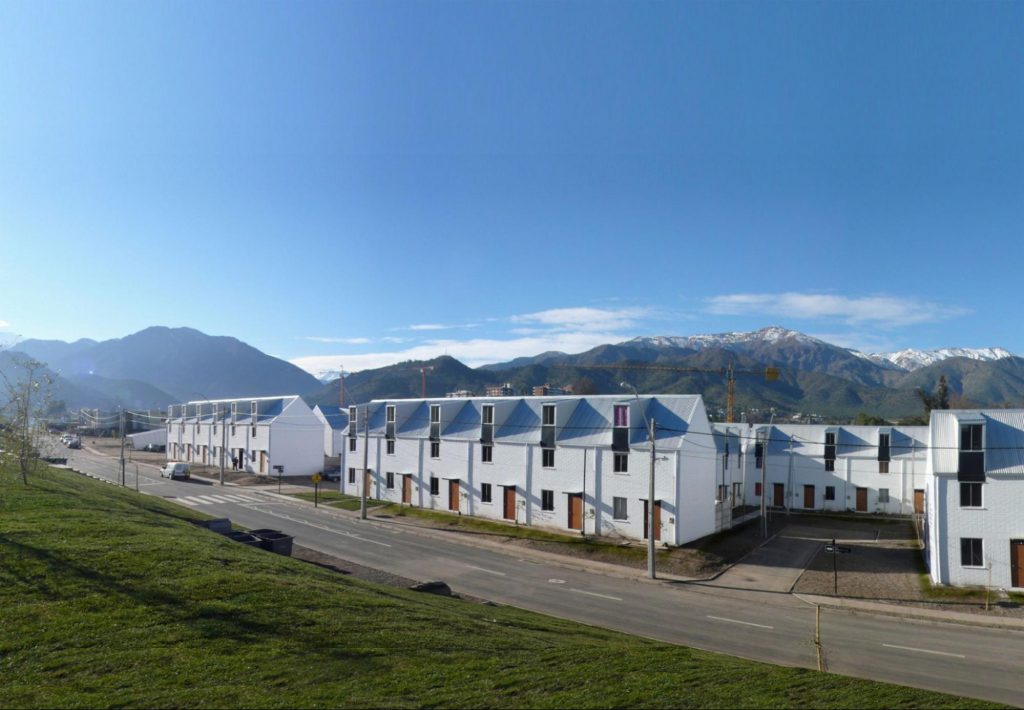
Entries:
{"x":925,"y":650}
{"x":488,"y":571}
{"x":186,"y":501}
{"x":208,"y":499}
{"x":737,"y":621}
{"x":595,"y":594}
{"x":321,"y":527}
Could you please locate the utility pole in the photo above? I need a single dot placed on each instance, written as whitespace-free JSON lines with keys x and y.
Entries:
{"x":366,"y":461}
{"x":122,"y":446}
{"x":789,"y":476}
{"x":764,"y":486}
{"x":650,"y":509}
{"x":223,"y":444}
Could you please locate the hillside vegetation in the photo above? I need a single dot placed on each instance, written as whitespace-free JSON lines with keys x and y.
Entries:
{"x":114,"y":599}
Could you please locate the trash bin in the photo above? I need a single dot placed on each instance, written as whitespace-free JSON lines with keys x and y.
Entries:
{"x":245,"y":538}
{"x":275,"y":541}
{"x":219,"y":525}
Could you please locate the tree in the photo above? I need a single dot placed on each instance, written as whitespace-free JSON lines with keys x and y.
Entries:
{"x":27,"y":391}
{"x":938,"y":400}
{"x":584,"y":385}
{"x":865,"y":419}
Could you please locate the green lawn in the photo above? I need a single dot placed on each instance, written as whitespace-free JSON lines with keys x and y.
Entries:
{"x":110,"y":598}
{"x":340,"y":500}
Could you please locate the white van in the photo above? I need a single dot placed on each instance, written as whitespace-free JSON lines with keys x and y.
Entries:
{"x":176,"y":469}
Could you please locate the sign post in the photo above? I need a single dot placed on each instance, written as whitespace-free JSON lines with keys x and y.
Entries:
{"x":280,"y":474}
{"x":836,"y":550}
{"x":316,"y":490}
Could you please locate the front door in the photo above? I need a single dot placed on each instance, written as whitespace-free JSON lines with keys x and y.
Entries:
{"x":575,"y":511}
{"x":808,"y":496}
{"x":407,"y":488}
{"x":779,"y":497}
{"x":453,"y":495}
{"x":862,"y":500}
{"x":657,"y":520}
{"x":367,"y":483}
{"x":1017,"y":563}
{"x":263,"y":462}
{"x":510,"y":503}
{"x":918,"y":501}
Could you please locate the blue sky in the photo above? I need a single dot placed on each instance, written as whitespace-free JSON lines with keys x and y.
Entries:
{"x":367,"y":182}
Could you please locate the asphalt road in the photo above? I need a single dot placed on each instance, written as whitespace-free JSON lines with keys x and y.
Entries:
{"x":980,"y":662}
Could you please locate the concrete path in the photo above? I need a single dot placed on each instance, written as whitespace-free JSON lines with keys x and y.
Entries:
{"x":773,"y":567}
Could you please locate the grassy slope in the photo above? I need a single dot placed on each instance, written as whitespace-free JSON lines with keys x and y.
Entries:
{"x":110,"y":598}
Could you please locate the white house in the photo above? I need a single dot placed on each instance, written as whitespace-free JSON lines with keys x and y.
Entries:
{"x":153,"y":437}
{"x":257,"y":434}
{"x":335,"y":422}
{"x":974,"y":524}
{"x":571,"y":463}
{"x":864,"y":469}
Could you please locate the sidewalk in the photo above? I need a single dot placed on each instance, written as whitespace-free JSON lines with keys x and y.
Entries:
{"x":910,"y":611}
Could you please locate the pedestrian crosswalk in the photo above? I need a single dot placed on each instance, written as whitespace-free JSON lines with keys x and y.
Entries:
{"x":211,"y":499}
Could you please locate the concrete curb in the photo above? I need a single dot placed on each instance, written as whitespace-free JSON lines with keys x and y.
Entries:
{"x":909,"y":611}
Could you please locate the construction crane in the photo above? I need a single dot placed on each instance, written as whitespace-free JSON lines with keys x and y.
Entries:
{"x":770,"y":375}
{"x":423,"y":370}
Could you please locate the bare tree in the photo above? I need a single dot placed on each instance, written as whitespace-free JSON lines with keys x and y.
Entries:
{"x":27,"y":391}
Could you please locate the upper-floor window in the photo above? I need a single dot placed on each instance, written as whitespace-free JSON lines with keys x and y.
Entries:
{"x":488,"y":414}
{"x":830,"y":451}
{"x":970,"y":494}
{"x":620,"y":463}
{"x":390,"y":413}
{"x":547,"y":430}
{"x":435,"y":422}
{"x":621,"y":415}
{"x":390,"y":447}
{"x":883,"y":447}
{"x":487,"y":453}
{"x":487,"y":423}
{"x":548,"y":458}
{"x":549,"y":415}
{"x":972,"y":453}
{"x":435,"y":449}
{"x":620,"y":430}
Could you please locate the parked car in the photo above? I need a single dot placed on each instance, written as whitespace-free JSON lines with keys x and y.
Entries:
{"x":176,"y":469}
{"x":332,"y":474}
{"x":75,"y":444}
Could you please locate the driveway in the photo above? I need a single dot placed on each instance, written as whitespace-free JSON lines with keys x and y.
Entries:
{"x":773,"y":567}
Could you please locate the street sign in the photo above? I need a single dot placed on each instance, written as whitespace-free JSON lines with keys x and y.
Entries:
{"x":838,"y":549}
{"x":317,"y":478}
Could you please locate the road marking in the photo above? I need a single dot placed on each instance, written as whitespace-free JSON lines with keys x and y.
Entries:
{"x":488,"y":571}
{"x":925,"y":650}
{"x":321,"y":527}
{"x":556,"y":581}
{"x":595,"y":594}
{"x":188,"y":501}
{"x":737,"y":621}
{"x":208,"y":499}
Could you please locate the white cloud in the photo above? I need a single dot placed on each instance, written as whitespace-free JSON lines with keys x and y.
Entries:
{"x":585,"y":319}
{"x":429,"y":326}
{"x":346,"y":341}
{"x":881,"y":311}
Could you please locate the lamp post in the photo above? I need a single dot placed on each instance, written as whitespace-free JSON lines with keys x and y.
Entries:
{"x":650,"y":485}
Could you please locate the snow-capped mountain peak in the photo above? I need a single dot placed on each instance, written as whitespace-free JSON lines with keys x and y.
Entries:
{"x":771,"y":334}
{"x":912,"y":359}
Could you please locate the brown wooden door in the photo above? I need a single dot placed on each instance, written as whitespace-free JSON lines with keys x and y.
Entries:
{"x":918,"y":500}
{"x":779,"y":495}
{"x":510,"y":503}
{"x":407,"y":488}
{"x":808,"y":496}
{"x":453,"y":495}
{"x":862,"y":500}
{"x":1017,"y":563}
{"x":657,"y":520}
{"x":575,"y":511}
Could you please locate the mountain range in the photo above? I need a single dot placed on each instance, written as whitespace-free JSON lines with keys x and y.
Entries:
{"x":158,"y":366}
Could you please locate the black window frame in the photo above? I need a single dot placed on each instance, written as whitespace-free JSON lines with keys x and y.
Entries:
{"x":547,"y":458}
{"x":830,"y":465}
{"x":435,"y":486}
{"x":351,"y":475}
{"x":487,"y":453}
{"x":972,"y":552}
{"x":389,"y":447}
{"x":547,"y":500}
{"x":486,"y":495}
{"x":620,"y":462}
{"x":435,"y":449}
{"x":974,"y":491}
{"x":390,"y":480}
{"x":830,"y":492}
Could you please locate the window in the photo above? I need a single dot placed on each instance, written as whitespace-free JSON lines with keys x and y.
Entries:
{"x":488,"y":414}
{"x":757,"y":488}
{"x":548,"y":458}
{"x":883,"y":495}
{"x":759,"y":455}
{"x":351,"y":442}
{"x":883,"y":448}
{"x":830,"y":464}
{"x":390,"y":479}
{"x":883,"y":467}
{"x":435,"y":485}
{"x":972,"y":453}
{"x":391,"y":447}
{"x":254,"y":430}
{"x":620,"y":463}
{"x":435,"y":449}
{"x":351,"y":475}
{"x":390,"y":414}
{"x":970,"y":439}
{"x":722,"y":492}
{"x":972,"y":553}
{"x":232,"y":430}
{"x":619,"y":508}
{"x":485,"y":492}
{"x":830,"y":492}
{"x":487,"y":453}
{"x":547,"y":500}
{"x":970,"y":494}
{"x":435,"y":414}
{"x":622,"y":415}
{"x":549,"y":415}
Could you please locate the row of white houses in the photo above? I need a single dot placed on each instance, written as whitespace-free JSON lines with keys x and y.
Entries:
{"x":582,"y":463}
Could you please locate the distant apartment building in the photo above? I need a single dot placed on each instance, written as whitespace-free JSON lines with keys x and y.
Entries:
{"x":505,"y":390}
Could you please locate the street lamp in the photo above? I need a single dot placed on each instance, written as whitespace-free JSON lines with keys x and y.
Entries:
{"x":650,"y":485}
